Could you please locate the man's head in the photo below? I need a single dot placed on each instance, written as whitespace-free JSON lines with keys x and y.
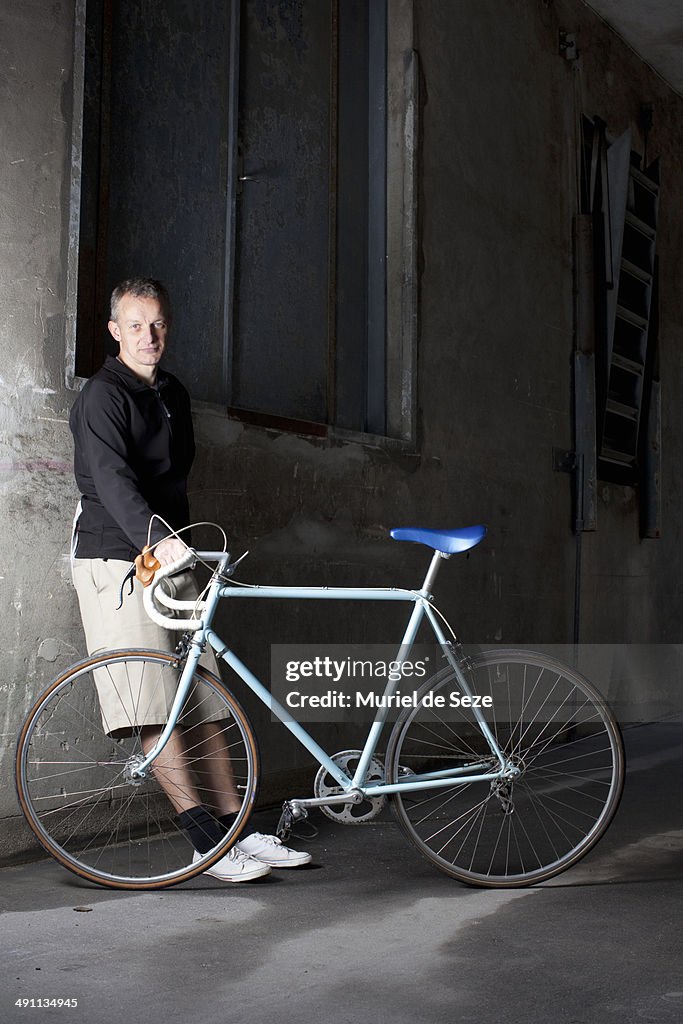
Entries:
{"x":139,"y":321}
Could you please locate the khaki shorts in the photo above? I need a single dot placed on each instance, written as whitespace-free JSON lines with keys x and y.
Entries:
{"x":136,"y":694}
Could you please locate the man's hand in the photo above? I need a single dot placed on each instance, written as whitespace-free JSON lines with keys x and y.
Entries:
{"x":170,"y":550}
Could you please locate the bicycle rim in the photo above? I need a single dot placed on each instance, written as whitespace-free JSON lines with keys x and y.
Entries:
{"x":74,"y":779}
{"x":554,"y":726}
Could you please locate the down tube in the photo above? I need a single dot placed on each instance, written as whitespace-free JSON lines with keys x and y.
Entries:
{"x":277,"y":709}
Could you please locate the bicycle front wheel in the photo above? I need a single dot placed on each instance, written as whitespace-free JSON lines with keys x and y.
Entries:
{"x":553,"y":726}
{"x":75,"y":772}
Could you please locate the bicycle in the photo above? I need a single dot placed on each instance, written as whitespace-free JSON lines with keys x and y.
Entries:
{"x":504,"y":792}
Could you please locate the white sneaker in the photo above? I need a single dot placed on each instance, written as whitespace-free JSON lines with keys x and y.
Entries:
{"x":269,"y":850}
{"x":236,"y":866}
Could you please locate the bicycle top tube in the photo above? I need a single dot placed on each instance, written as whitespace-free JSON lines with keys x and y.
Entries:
{"x":443,"y":543}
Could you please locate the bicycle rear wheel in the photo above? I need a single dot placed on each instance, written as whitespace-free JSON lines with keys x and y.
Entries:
{"x":75,"y":784}
{"x":552,"y":725}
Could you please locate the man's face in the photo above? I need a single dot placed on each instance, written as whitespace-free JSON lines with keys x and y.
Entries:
{"x":140,"y":329}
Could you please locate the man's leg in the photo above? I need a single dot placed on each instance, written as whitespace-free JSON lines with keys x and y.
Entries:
{"x":98,"y":584}
{"x":202,"y":747}
{"x":217,"y":778}
{"x":171,"y":768}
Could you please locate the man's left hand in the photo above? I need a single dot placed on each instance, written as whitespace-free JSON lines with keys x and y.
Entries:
{"x":170,"y":550}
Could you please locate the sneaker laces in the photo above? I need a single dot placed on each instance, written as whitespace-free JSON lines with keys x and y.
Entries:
{"x":233,"y":854}
{"x":238,"y":856}
{"x":271,"y":840}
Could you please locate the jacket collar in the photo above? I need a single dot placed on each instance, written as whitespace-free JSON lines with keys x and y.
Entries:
{"x":132,"y":382}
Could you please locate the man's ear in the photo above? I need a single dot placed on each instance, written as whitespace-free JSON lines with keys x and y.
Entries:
{"x":114,"y":330}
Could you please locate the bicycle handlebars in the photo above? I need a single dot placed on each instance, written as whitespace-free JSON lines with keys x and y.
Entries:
{"x":152,"y":592}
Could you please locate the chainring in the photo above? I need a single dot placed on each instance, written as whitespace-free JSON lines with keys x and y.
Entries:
{"x":350,"y":814}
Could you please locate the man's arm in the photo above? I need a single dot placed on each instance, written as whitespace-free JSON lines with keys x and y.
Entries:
{"x":105,"y":437}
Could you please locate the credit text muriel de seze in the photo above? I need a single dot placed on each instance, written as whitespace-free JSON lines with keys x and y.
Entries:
{"x":319,"y":668}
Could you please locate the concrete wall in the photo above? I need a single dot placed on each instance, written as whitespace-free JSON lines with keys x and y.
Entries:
{"x":40,"y":631}
{"x":499,"y":109}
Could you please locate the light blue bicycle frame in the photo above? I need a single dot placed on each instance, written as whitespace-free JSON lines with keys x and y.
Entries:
{"x":421,"y":599}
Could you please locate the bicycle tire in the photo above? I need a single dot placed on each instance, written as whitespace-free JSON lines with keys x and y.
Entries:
{"x":74,"y":785}
{"x":558,"y":731}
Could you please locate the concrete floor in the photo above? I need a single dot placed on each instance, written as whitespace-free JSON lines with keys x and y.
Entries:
{"x":371,"y":932}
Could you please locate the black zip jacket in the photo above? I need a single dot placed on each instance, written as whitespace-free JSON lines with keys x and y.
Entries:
{"x":134,"y":447}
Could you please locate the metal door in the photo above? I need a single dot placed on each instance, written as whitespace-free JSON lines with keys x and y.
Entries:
{"x":281,"y":320}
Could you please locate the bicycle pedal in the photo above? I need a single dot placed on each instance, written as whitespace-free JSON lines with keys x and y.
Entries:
{"x":291,"y":811}
{"x":284,"y":825}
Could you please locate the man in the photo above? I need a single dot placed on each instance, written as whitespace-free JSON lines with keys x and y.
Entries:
{"x":134,"y":446}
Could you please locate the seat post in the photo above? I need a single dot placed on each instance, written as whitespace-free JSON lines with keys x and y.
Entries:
{"x":434,"y":566}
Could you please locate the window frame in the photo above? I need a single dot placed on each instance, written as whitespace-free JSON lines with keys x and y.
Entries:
{"x":398,"y":361}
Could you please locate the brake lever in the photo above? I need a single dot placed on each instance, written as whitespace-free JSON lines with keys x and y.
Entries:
{"x":230,"y":569}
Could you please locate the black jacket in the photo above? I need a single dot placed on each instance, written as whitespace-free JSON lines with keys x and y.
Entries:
{"x":134,"y":447}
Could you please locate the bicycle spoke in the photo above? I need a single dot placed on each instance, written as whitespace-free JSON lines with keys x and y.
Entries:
{"x":80,"y":788}
{"x":554,"y":731}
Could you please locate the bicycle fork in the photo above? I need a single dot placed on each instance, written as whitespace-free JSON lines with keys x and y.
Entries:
{"x":192,"y":652}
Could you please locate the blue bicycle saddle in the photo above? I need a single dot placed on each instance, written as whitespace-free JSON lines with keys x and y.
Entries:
{"x":450,"y":542}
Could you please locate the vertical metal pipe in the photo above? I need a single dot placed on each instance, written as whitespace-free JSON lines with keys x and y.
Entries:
{"x":233,"y":75}
{"x":377,"y":217}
